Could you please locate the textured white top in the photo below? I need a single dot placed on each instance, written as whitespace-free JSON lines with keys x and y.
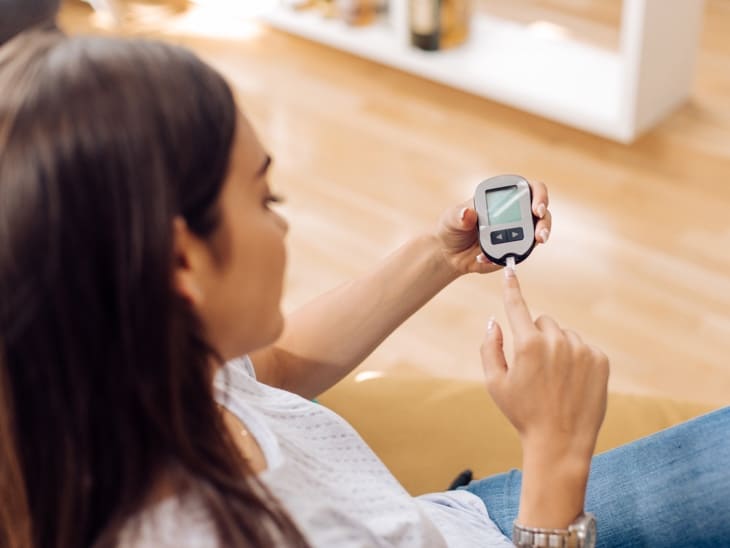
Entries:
{"x":338,"y":492}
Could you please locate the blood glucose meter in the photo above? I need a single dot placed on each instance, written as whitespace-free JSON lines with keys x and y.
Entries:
{"x":506,"y":224}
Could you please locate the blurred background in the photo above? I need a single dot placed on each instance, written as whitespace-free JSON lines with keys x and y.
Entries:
{"x":381,"y":114}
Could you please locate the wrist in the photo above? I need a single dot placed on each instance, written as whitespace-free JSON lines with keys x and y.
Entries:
{"x":553,"y":489}
{"x":573,"y":451}
{"x":439,"y":264}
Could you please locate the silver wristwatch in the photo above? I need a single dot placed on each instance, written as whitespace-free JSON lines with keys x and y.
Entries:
{"x":580,"y":534}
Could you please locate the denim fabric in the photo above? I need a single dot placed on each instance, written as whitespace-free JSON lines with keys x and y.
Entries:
{"x":671,"y":489}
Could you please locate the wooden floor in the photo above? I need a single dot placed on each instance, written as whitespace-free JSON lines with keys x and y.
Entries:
{"x":638,"y":261}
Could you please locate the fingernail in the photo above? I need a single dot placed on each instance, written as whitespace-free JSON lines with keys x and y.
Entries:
{"x":509,"y":272}
{"x":481,"y":258}
{"x":544,"y":235}
{"x":462,"y":215}
{"x":541,"y":210}
{"x":490,"y":324}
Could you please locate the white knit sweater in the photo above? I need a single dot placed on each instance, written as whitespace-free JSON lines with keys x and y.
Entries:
{"x":334,"y":487}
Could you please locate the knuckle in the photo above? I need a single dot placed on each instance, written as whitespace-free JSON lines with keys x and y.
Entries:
{"x":600,"y":362}
{"x":555,"y":351}
{"x":560,"y":343}
{"x":543,"y":319}
{"x":586,"y":351}
{"x":531,"y":343}
{"x":573,"y":337}
{"x":604,"y":365}
{"x":599,"y":356}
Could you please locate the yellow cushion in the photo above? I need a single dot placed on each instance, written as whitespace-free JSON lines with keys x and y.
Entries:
{"x":428,"y":429}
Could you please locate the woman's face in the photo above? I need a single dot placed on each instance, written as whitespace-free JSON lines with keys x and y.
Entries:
{"x":241,"y":281}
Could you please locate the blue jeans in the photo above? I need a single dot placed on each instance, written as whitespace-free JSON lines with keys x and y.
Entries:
{"x":669,"y":489}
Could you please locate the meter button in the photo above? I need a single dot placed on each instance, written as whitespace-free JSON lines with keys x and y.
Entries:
{"x":499,"y":237}
{"x":514,"y":234}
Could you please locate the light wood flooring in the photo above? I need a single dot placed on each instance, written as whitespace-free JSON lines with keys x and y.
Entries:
{"x":638,"y":261}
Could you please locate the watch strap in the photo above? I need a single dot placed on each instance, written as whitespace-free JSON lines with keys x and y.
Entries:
{"x":532,"y":537}
{"x":579,"y":534}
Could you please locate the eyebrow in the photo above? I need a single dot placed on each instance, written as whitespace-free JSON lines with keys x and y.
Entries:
{"x":264,"y":166}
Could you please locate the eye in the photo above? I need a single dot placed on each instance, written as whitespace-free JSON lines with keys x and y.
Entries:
{"x":273,"y":199}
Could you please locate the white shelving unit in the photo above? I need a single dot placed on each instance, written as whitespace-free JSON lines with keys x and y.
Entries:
{"x":617,"y":95}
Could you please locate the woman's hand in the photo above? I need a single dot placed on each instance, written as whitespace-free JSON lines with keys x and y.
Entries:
{"x":459,"y":238}
{"x":554,"y":393}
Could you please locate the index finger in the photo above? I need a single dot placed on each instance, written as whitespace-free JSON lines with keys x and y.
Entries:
{"x":515,"y":306}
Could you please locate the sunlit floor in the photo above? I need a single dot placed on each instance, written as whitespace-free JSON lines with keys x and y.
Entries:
{"x":638,"y":258}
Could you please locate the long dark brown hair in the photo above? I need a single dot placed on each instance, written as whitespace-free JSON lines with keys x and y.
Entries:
{"x":19,"y":15}
{"x":105,"y":379}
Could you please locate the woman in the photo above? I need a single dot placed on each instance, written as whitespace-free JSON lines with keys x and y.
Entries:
{"x":138,"y":253}
{"x":19,"y":15}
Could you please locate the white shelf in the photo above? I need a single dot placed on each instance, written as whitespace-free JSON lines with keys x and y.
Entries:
{"x":573,"y":83}
{"x":501,"y":61}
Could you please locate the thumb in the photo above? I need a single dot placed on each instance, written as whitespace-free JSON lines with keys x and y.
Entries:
{"x":493,"y":360}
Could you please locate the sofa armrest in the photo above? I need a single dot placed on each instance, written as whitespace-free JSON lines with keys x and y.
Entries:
{"x":428,"y":429}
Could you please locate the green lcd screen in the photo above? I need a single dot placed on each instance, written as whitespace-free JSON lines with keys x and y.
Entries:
{"x":503,"y":206}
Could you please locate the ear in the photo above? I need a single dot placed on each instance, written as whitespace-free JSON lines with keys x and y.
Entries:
{"x":188,"y":263}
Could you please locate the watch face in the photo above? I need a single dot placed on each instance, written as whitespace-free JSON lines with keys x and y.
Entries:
{"x":584,"y":531}
{"x":590,"y":532}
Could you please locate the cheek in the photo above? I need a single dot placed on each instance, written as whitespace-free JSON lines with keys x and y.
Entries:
{"x":263,"y":275}
{"x":247,"y":308}
{"x":272,"y":248}
{"x":275,"y":259}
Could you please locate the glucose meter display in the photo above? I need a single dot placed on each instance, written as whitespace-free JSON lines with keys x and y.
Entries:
{"x":503,"y":206}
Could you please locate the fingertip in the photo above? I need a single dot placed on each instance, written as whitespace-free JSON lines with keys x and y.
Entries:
{"x":468,"y":217}
{"x":492,"y":352}
{"x":494,"y":330}
{"x":540,"y":210}
{"x":510,"y":279}
{"x":492,"y":337}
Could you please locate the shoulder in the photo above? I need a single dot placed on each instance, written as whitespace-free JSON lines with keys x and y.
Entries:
{"x":173,"y":522}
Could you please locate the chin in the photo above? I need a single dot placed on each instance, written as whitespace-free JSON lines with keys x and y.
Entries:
{"x":266,"y":334}
{"x":275,"y":327}
{"x":279,"y":327}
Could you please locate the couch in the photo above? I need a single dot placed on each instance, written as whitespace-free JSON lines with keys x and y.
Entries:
{"x":427,"y":430}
